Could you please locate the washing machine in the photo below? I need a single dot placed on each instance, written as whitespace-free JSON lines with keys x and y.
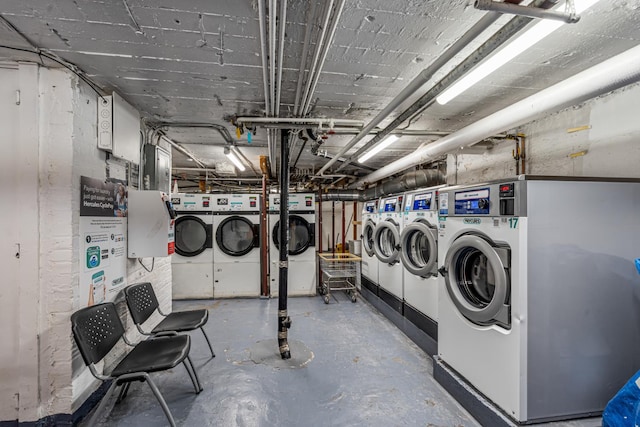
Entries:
{"x":369,"y":260}
{"x":419,"y":256}
{"x":192,"y":262}
{"x":236,"y":249}
{"x":539,"y":306}
{"x":386,"y":243}
{"x":302,"y":243}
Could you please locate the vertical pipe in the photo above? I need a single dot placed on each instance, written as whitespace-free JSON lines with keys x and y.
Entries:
{"x":522,"y":153}
{"x":264,"y":243}
{"x":344,"y":230}
{"x":355,"y":220}
{"x":333,"y":227}
{"x":282,"y":20}
{"x":319,"y":240}
{"x":284,"y":322}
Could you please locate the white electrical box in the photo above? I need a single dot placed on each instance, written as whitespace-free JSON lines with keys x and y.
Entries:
{"x":151,"y":224}
{"x":119,"y":128}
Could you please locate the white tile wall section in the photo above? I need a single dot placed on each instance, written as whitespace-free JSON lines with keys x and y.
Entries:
{"x":610,"y":145}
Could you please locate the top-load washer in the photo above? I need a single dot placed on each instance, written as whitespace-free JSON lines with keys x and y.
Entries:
{"x":369,"y":260}
{"x":302,"y":243}
{"x":539,"y":303}
{"x":236,"y":249}
{"x":386,"y":242}
{"x":419,"y":255}
{"x":192,"y":262}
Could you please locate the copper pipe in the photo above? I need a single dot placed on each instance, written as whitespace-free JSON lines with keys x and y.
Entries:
{"x":333,"y":227}
{"x":355,"y":220}
{"x":522,"y":153}
{"x":344,"y":230}
{"x":265,"y":288}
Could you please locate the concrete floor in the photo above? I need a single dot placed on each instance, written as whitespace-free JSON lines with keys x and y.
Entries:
{"x":363,"y":371}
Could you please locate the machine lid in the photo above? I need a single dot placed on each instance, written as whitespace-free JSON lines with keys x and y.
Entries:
{"x":302,"y":235}
{"x":367,"y":237}
{"x":192,"y":236}
{"x":419,"y":248}
{"x":237,"y":236}
{"x":386,"y":241}
{"x":476,"y":273}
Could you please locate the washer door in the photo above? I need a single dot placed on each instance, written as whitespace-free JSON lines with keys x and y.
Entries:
{"x":386,"y":241}
{"x":419,"y":248}
{"x":192,"y":236}
{"x":302,"y":235}
{"x":367,"y":237}
{"x":477,"y":278}
{"x":237,"y":236}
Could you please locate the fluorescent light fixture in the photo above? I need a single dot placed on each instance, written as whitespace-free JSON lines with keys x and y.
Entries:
{"x":378,"y":148}
{"x":234,"y":159}
{"x":529,"y":38}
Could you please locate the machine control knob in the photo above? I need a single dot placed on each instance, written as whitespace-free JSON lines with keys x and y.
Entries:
{"x":483,"y":203}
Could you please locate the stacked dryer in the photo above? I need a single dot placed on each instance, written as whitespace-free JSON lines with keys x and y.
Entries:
{"x":538,"y":308}
{"x":192,"y":263}
{"x":369,"y":260}
{"x":302,"y":243}
{"x":386,"y":242}
{"x":236,"y":251}
{"x":419,"y":255}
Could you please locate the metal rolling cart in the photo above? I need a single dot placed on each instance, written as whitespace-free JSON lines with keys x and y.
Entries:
{"x":339,"y":272}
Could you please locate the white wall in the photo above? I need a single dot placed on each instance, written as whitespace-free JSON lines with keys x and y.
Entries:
{"x":612,"y":144}
{"x":327,"y":221}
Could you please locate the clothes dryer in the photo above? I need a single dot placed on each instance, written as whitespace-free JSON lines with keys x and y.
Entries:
{"x":192,"y":262}
{"x":538,"y":306}
{"x":236,"y":253}
{"x":370,"y":263}
{"x":386,"y":242}
{"x":302,"y":243}
{"x":419,"y":255}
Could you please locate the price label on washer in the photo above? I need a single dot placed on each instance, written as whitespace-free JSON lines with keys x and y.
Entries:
{"x":443,"y":199}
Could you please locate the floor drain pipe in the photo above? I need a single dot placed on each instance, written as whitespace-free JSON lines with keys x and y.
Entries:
{"x":284,"y":322}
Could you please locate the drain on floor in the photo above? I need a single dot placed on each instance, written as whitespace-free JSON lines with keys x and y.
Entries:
{"x":266,"y":353}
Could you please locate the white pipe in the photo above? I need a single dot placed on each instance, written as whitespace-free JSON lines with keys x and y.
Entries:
{"x":263,"y":52}
{"x":305,"y":53}
{"x":612,"y":74}
{"x":282,"y":22}
{"x":299,"y":120}
{"x":272,"y":54}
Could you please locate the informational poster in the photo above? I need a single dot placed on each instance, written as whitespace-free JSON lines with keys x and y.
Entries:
{"x":103,"y":239}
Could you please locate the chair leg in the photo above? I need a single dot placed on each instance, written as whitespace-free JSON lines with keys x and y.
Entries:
{"x":103,"y":402}
{"x":193,"y":380}
{"x":163,"y":404}
{"x":195,"y":373}
{"x":208,"y":342}
{"x":123,"y":392}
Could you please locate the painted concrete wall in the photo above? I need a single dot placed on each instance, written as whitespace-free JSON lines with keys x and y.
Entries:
{"x":609,"y":147}
{"x":327,"y":221}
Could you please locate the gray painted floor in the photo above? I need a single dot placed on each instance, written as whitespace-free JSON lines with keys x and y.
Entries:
{"x":355,"y":368}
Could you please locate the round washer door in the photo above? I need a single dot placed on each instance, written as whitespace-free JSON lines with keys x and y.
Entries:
{"x":419,"y":248}
{"x":192,"y":236}
{"x":386,"y":241}
{"x":367,"y":237}
{"x":237,"y":236}
{"x":301,"y":235}
{"x":477,"y":280}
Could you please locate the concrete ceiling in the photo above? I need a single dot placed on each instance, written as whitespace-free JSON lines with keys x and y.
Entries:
{"x":199,"y":61}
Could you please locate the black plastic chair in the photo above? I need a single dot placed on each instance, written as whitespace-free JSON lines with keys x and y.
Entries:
{"x":142,"y":303}
{"x":97,"y":329}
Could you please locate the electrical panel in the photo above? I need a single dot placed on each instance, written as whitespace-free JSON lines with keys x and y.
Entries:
{"x":151,"y":224}
{"x":119,"y":128}
{"x":157,"y":168}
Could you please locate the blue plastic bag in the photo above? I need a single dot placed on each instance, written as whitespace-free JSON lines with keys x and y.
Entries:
{"x":638,"y":265}
{"x":624,"y":409}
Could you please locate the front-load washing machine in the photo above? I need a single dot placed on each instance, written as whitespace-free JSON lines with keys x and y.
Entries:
{"x":538,"y":309}
{"x":236,"y":249}
{"x":302,"y":244}
{"x":370,"y":262}
{"x":192,"y":262}
{"x":386,"y":242}
{"x":419,"y":255}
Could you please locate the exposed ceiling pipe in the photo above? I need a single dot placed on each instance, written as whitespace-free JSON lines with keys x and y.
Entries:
{"x":282,"y":24}
{"x":299,"y":120}
{"x":423,"y":178}
{"x":272,"y":55}
{"x":247,"y":161}
{"x":425,"y":75}
{"x":262,"y":12}
{"x":184,"y":151}
{"x":221,"y":129}
{"x":612,"y":74}
{"x":305,"y":53}
{"x":532,"y":12}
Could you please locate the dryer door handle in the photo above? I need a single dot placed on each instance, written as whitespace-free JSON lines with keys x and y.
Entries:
{"x":443,"y":271}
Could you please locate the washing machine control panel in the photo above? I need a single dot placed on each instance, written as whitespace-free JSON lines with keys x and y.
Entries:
{"x":472,"y":202}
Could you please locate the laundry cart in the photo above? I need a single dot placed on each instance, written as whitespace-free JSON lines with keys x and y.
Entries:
{"x":339,"y":272}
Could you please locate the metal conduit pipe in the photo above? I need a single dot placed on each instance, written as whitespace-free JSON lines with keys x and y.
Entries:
{"x":494,"y":42}
{"x":609,"y":75}
{"x":533,"y":12}
{"x":272,"y":55}
{"x":262,"y":12}
{"x":221,"y":129}
{"x":485,"y":22}
{"x":282,"y":23}
{"x":305,"y":52}
{"x":299,"y":120}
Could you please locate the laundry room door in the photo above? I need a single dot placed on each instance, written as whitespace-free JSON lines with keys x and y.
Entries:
{"x":9,"y":249}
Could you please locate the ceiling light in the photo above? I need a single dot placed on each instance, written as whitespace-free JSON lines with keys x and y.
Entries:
{"x":529,"y":38}
{"x":378,"y":148}
{"x":234,"y":159}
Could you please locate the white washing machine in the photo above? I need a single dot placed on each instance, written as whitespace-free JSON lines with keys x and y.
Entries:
{"x":370,"y":262}
{"x":538,"y":309}
{"x":192,"y":262}
{"x":302,"y":244}
{"x":236,"y":249}
{"x":386,"y":242}
{"x":419,"y":255}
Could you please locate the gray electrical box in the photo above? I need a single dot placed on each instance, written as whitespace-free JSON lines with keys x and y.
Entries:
{"x":157,"y":169}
